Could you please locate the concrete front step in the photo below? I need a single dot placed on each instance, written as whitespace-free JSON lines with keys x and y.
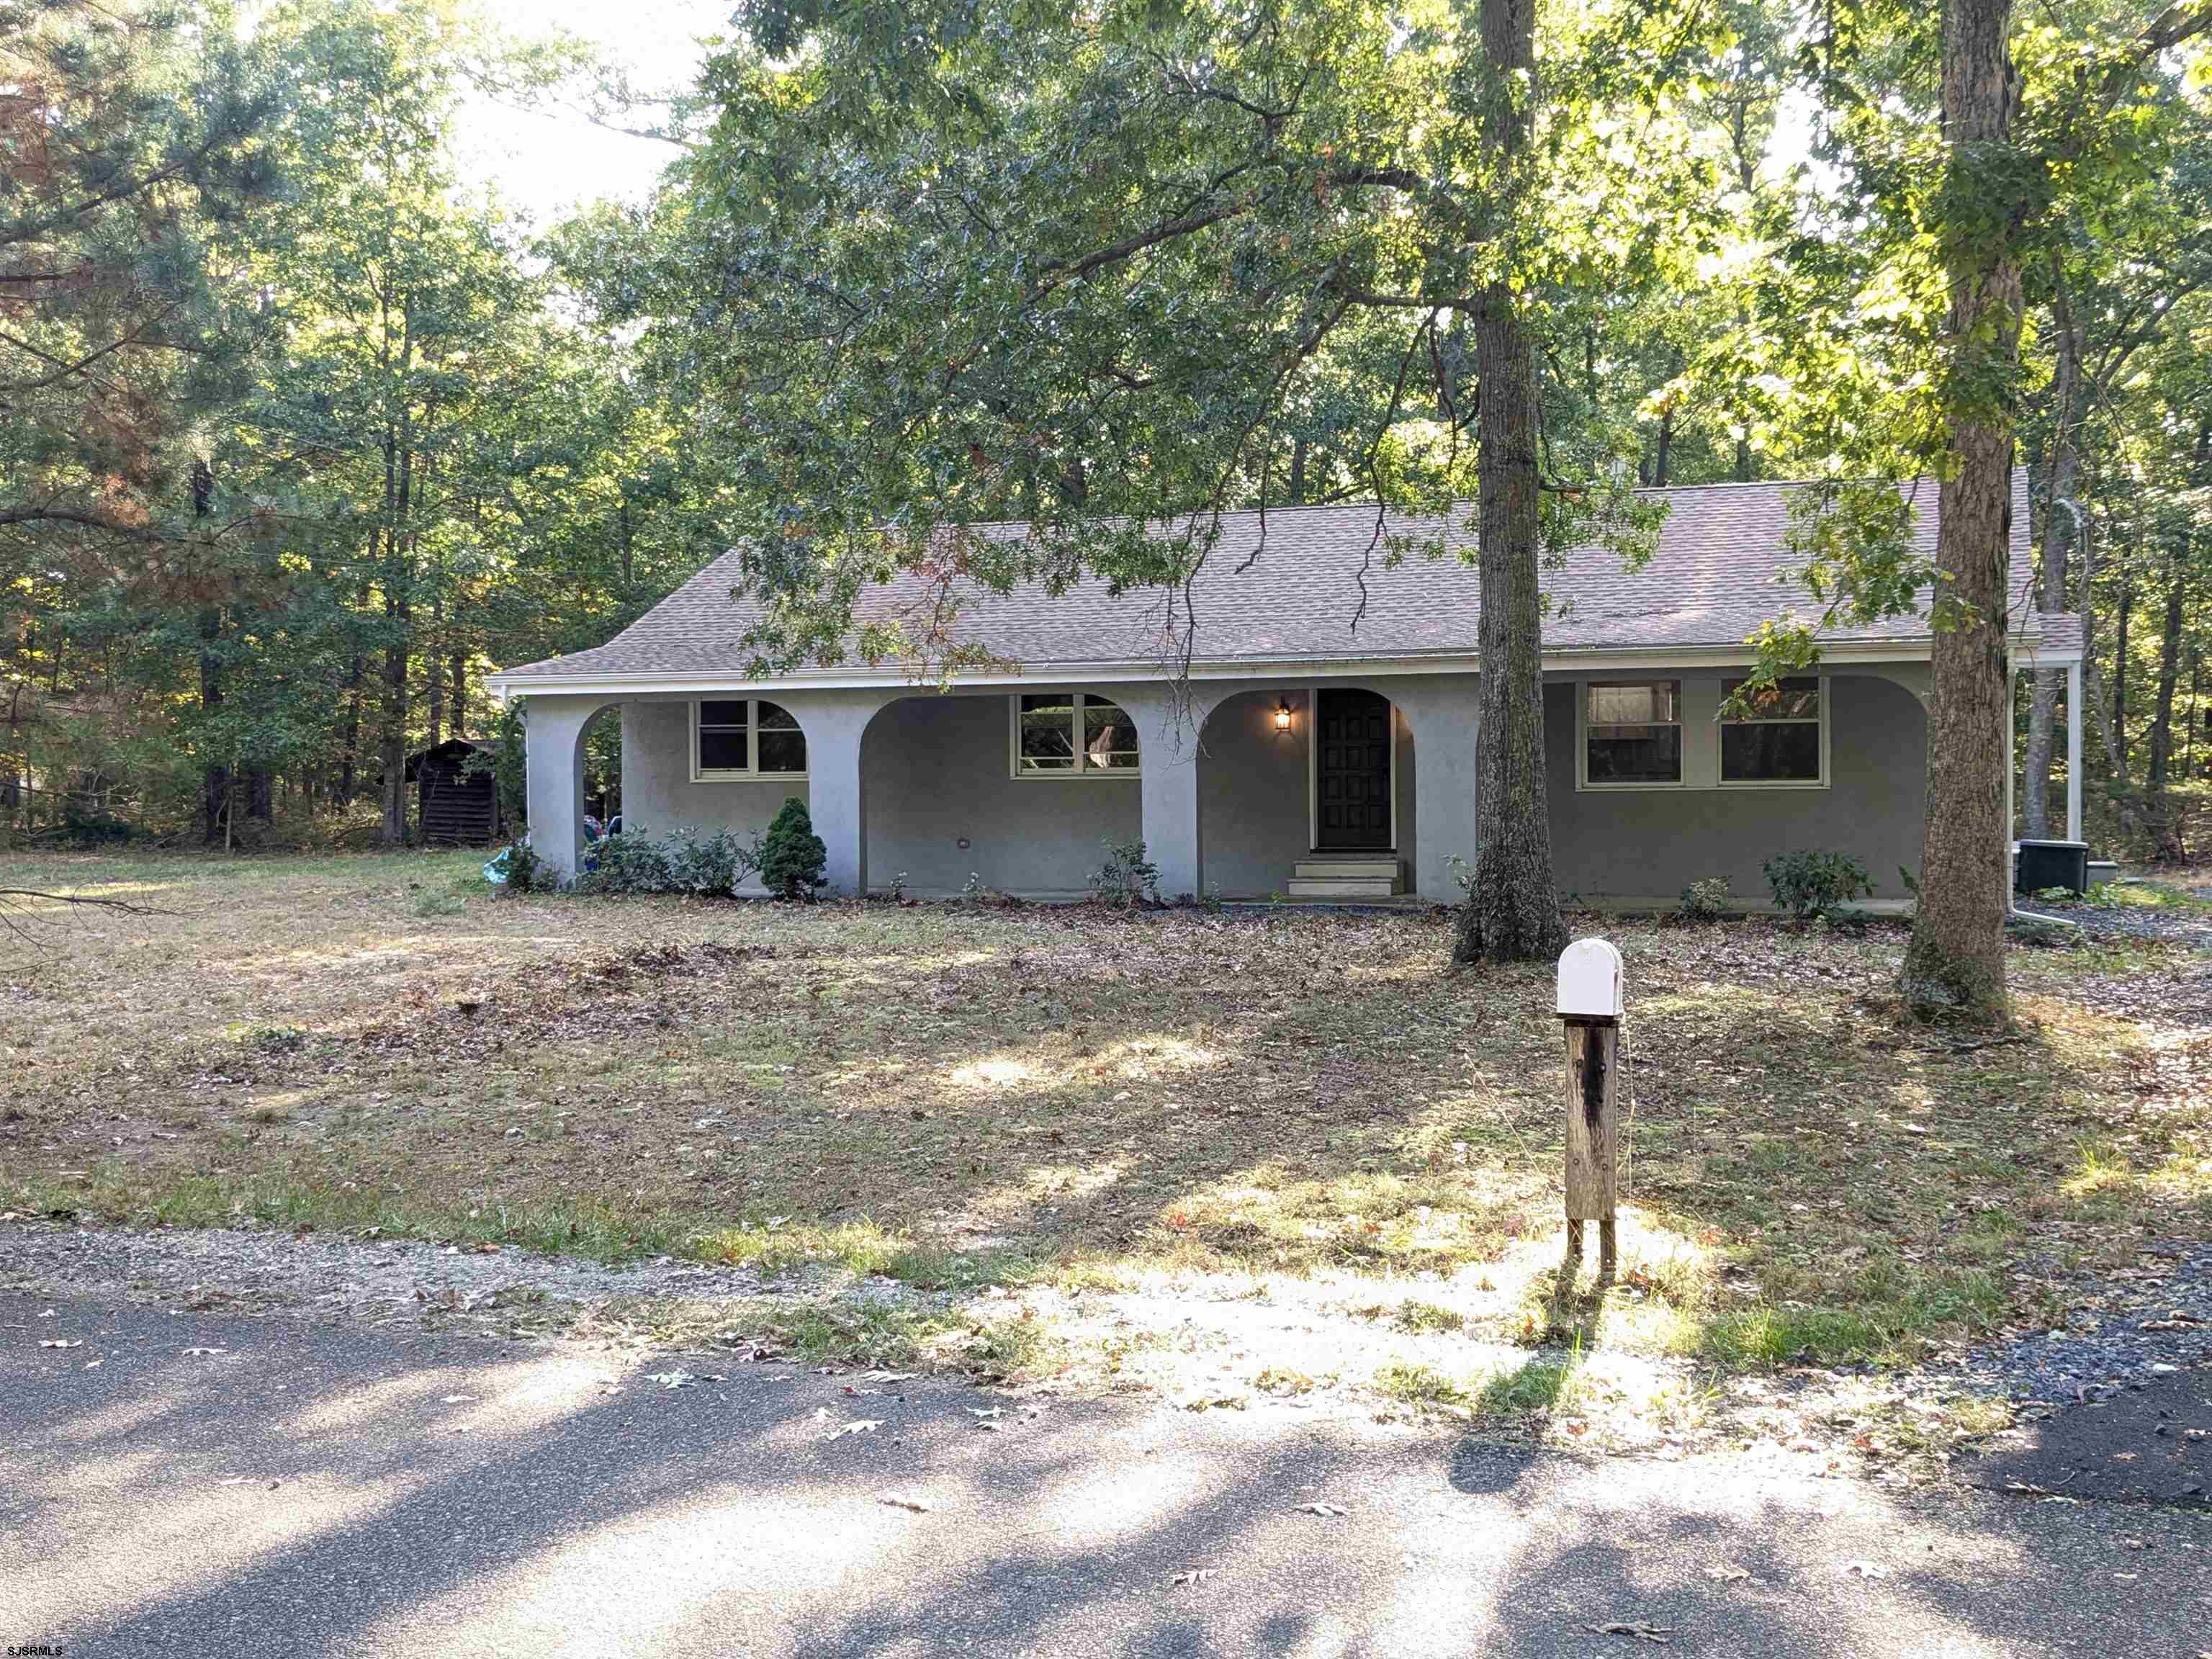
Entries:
{"x":1340,"y":869}
{"x":1343,"y":887}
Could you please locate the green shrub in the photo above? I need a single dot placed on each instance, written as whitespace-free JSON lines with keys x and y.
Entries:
{"x":87,"y":827}
{"x":524,"y":867}
{"x":1704,"y":901}
{"x":1816,"y":883}
{"x":635,"y":862}
{"x":792,"y":857}
{"x":1127,"y":878}
{"x":508,"y":762}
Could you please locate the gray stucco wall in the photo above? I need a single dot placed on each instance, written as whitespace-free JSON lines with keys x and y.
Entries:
{"x":658,"y":797}
{"x":936,"y":770}
{"x":1649,"y":844}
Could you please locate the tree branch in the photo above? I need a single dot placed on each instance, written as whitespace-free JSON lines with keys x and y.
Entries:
{"x":1060,"y":272}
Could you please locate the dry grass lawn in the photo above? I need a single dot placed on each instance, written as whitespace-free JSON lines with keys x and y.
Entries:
{"x":964,"y":1098}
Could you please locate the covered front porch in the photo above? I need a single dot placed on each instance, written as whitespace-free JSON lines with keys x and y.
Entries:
{"x":1310,"y":786}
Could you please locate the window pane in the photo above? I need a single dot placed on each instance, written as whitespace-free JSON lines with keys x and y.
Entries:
{"x":722,"y":751}
{"x":1770,"y":752}
{"x":1651,"y":704}
{"x":1785,"y":700}
{"x":782,"y":744}
{"x":726,"y":712}
{"x":1110,"y":738}
{"x":1048,"y":740}
{"x":782,"y":750}
{"x":1636,"y":754}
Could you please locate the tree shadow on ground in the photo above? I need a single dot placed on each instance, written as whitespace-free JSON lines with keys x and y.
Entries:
{"x":1250,"y":1094}
{"x":694,"y":1520}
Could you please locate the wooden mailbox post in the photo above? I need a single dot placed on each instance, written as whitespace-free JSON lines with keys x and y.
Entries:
{"x":1590,"y":1007}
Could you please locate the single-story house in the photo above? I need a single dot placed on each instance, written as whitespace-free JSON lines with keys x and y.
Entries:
{"x":1315,"y":734}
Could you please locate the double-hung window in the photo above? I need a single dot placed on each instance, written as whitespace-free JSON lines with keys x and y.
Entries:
{"x":1631,"y":734}
{"x":744,"y":737}
{"x":1779,"y":739}
{"x":1071,"y":735}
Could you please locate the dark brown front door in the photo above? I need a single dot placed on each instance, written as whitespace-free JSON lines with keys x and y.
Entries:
{"x":1351,"y":770}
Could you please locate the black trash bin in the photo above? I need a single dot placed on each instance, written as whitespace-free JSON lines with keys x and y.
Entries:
{"x":2044,"y":864}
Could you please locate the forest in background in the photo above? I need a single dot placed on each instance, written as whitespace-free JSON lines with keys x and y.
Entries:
{"x":300,"y":434}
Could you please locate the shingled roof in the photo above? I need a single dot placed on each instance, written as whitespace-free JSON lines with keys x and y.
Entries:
{"x":1296,"y":597}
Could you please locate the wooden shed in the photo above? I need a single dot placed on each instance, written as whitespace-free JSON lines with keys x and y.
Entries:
{"x":455,"y":806}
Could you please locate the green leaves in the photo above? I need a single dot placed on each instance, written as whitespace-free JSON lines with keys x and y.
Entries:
{"x":934,"y":271}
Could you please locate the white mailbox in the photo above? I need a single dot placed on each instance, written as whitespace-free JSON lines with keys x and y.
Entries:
{"x":1589,"y":980}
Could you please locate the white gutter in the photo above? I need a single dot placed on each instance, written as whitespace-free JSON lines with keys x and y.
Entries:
{"x":1585,"y":660}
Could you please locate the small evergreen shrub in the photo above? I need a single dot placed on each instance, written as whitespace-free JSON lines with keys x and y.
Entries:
{"x":792,"y":857}
{"x":1704,"y":901}
{"x":1817,"y":883}
{"x":1127,"y":878}
{"x":524,"y":870}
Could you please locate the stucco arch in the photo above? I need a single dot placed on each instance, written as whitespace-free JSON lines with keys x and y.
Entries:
{"x":1255,"y":786}
{"x":553,"y":745}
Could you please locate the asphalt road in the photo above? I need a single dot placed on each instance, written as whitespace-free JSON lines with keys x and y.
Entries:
{"x":204,"y":1484}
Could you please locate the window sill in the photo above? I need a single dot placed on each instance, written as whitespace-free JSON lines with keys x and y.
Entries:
{"x":1774,"y":783}
{"x":749,"y":777}
{"x":1582,"y":788}
{"x":1125,"y":775}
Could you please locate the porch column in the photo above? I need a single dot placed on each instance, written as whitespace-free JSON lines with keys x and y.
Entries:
{"x":2011,"y":761}
{"x":1168,"y":728}
{"x":837,"y":798}
{"x":2074,"y":750}
{"x":1445,"y":712}
{"x":553,"y":729}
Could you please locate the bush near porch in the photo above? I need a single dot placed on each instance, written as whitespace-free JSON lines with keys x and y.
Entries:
{"x":1077,"y":1097}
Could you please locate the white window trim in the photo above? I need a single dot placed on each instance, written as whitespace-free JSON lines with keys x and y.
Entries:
{"x":1077,"y":773}
{"x":1721,"y":781}
{"x":1625,"y":785}
{"x":751,"y":770}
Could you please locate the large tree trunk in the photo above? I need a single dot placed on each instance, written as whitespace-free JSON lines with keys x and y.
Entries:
{"x":2160,"y":819}
{"x":433,"y":679}
{"x":2057,"y":527}
{"x":1512,"y":909}
{"x":2195,"y":706}
{"x":392,"y":738}
{"x":399,"y":612}
{"x":214,"y":777}
{"x":2096,"y":702}
{"x":1955,"y":966}
{"x":2120,"y":656}
{"x":348,"y":784}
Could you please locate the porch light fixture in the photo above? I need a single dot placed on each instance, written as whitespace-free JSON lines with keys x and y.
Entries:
{"x":1282,"y":713}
